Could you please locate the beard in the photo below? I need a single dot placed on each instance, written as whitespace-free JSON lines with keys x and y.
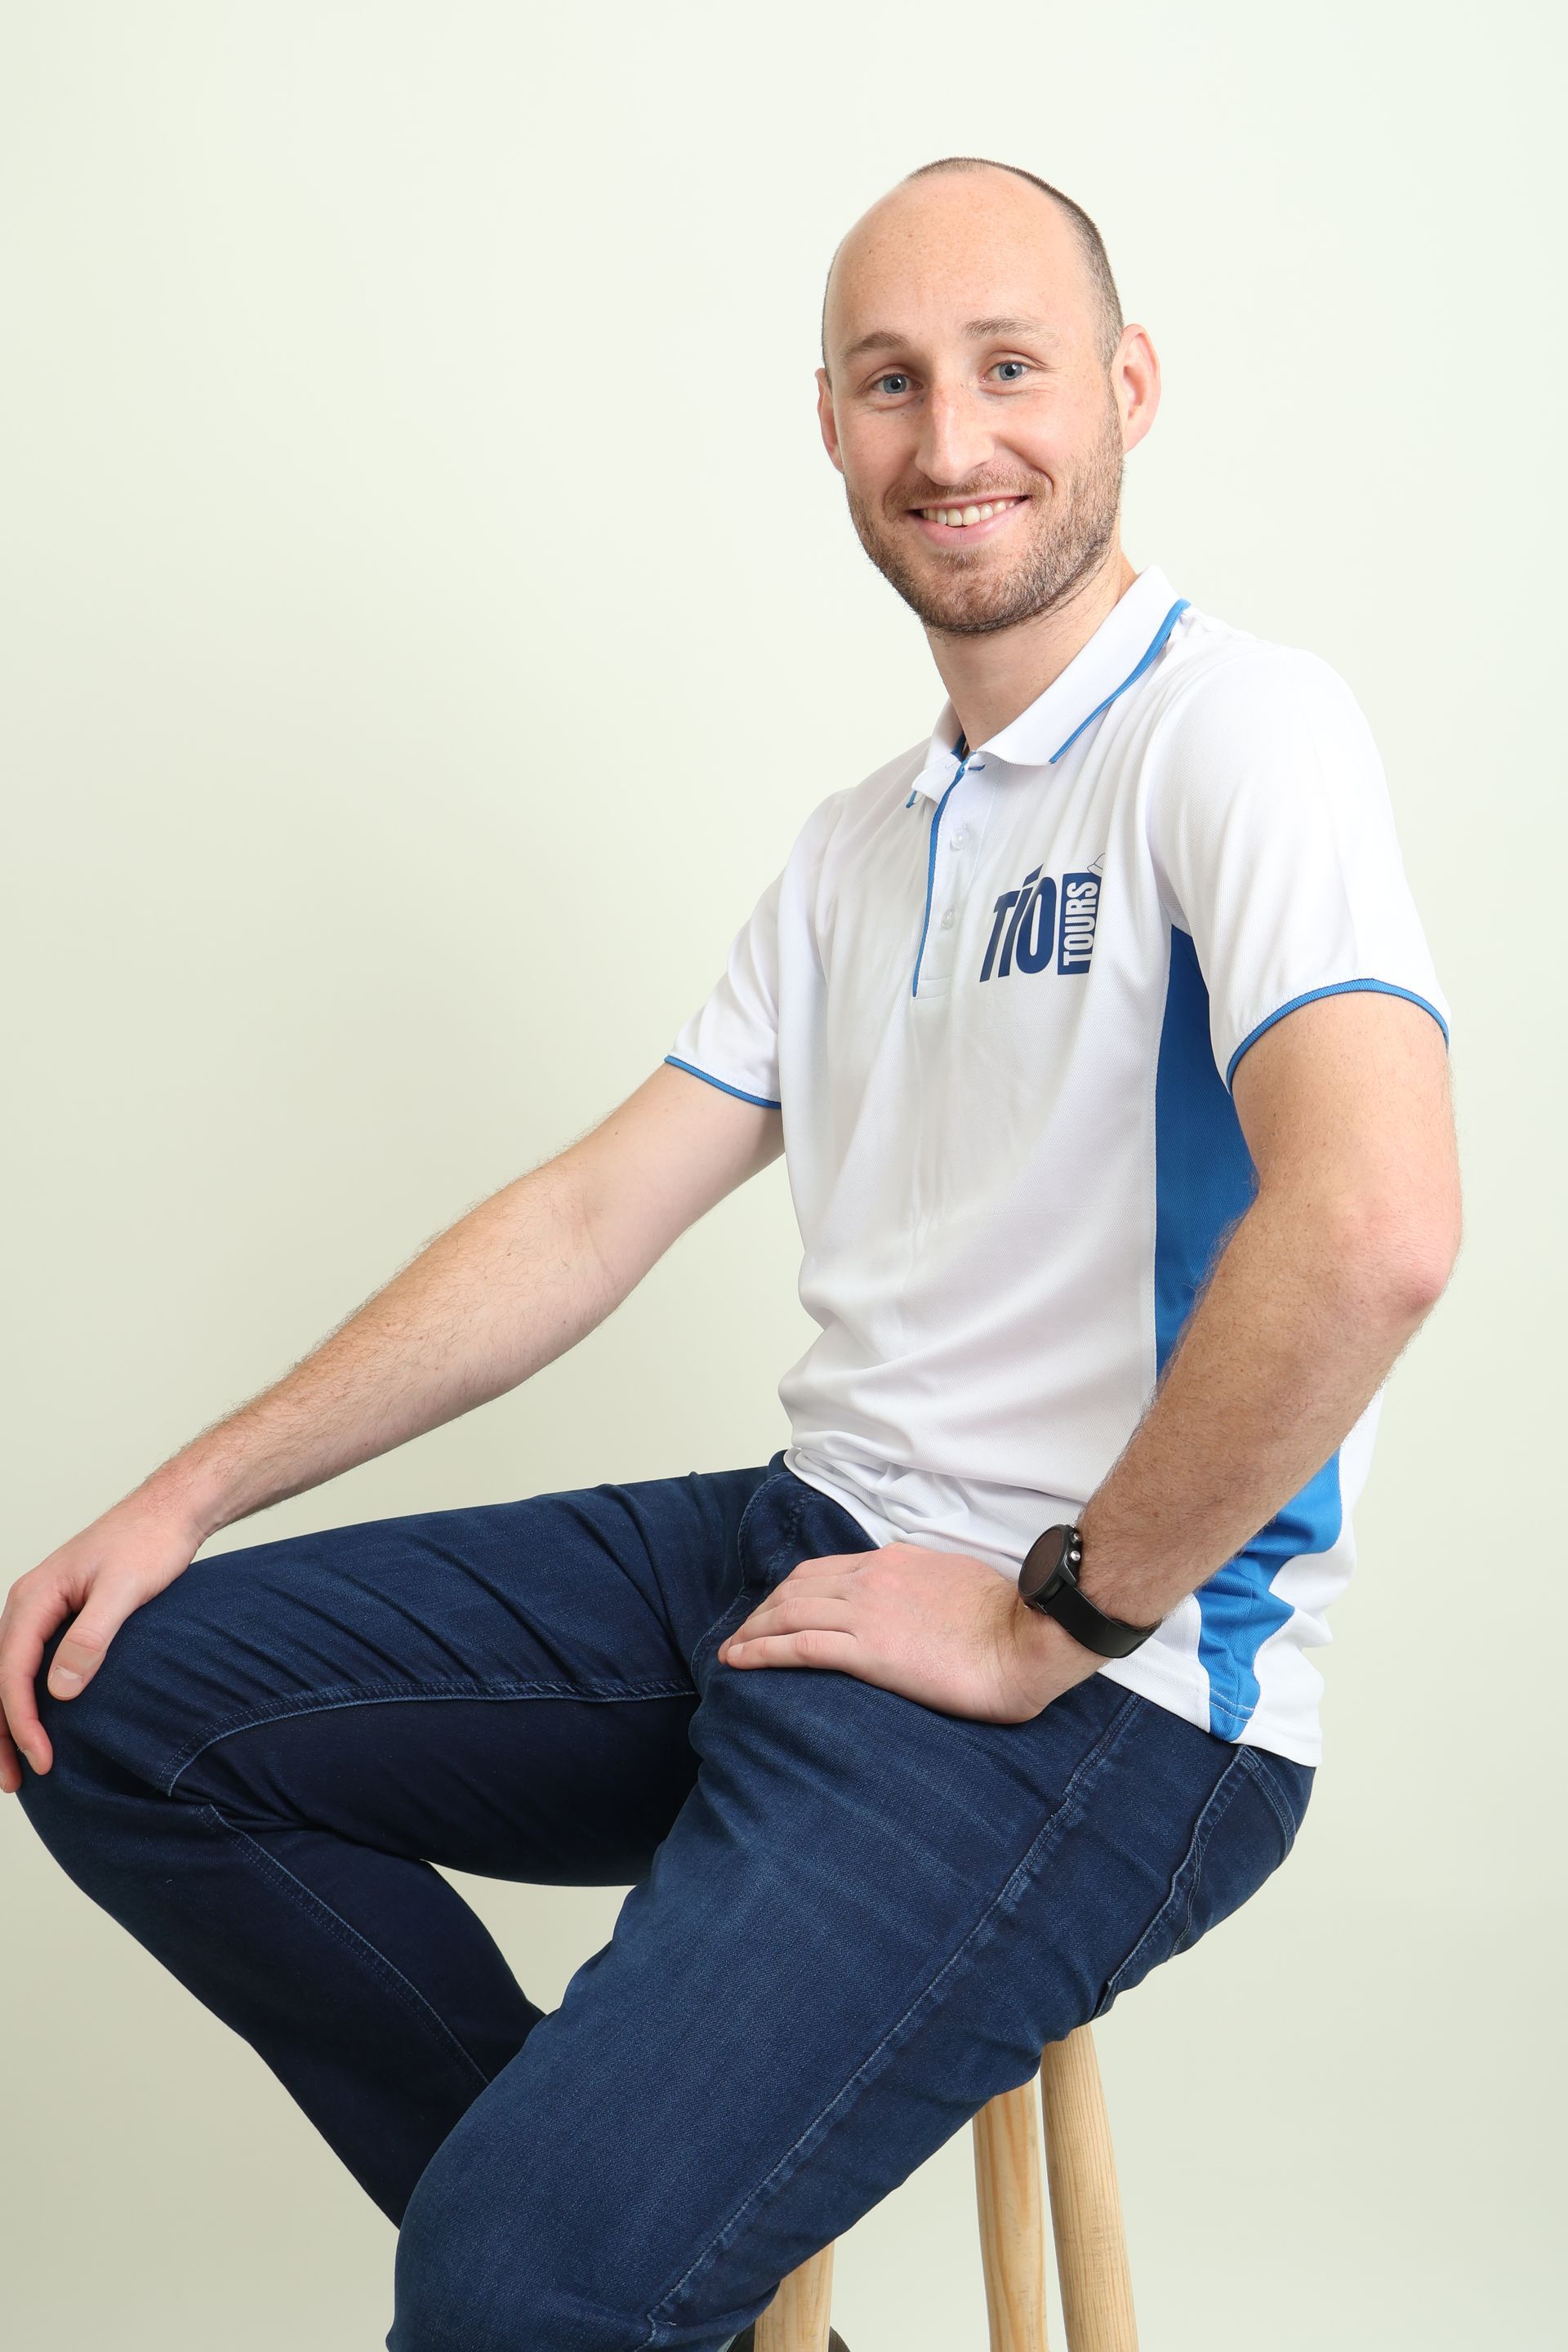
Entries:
{"x":968,"y":595}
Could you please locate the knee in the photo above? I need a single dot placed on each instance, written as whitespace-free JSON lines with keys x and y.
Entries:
{"x":97,"y":1759}
{"x":490,"y":2283}
{"x":487,"y":2262}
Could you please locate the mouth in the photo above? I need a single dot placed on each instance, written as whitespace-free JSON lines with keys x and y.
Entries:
{"x":960,"y":526}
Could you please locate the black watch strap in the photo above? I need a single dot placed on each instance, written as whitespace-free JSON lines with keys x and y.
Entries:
{"x":1048,"y":1581}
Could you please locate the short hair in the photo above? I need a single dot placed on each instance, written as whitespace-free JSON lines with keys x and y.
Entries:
{"x":1090,"y":244}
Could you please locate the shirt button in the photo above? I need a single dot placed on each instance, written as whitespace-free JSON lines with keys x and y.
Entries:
{"x":956,"y":840}
{"x":947,"y":918}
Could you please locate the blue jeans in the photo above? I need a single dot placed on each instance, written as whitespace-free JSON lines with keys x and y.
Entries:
{"x":852,"y":1919}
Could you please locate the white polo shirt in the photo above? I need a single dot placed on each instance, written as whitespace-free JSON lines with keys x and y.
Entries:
{"x":1000,"y":998}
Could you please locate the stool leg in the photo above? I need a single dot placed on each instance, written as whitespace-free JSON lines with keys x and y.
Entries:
{"x":1086,"y":2206}
{"x":797,"y":2318}
{"x":1011,"y":2203}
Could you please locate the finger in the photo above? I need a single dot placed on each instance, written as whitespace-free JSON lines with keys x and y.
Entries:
{"x":21,"y":1653}
{"x":832,"y":1563}
{"x":10,"y":1764}
{"x":783,"y":1613}
{"x":811,"y":1592}
{"x":812,"y":1645}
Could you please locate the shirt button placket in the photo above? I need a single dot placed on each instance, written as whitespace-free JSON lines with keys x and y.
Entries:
{"x":939,"y":965}
{"x":955,"y":842}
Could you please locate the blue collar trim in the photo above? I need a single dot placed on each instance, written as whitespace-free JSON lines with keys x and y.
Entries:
{"x":1160,"y":634}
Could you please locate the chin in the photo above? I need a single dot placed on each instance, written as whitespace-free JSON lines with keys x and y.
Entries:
{"x":968,"y":615}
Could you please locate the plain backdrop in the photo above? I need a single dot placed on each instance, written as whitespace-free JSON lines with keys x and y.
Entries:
{"x":427,"y":615}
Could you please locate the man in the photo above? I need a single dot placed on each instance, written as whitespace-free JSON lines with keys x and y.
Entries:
{"x":1103,"y":1041}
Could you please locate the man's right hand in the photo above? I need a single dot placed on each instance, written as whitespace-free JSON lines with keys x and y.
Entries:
{"x":97,"y":1579}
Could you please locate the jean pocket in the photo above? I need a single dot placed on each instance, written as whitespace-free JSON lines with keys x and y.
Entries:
{"x":1287,"y":1785}
{"x":788,"y":1520}
{"x":725,"y":1623}
{"x":756,"y":1534}
{"x":1242,"y":1835}
{"x":785,"y":1520}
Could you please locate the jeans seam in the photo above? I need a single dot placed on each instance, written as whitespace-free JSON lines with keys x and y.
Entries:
{"x":321,"y":1911}
{"x":1003,"y":1900}
{"x":336,"y":1695}
{"x":1185,"y":1879}
{"x":743,"y":1600}
{"x":1264,"y":1780}
{"x":797,"y":1503}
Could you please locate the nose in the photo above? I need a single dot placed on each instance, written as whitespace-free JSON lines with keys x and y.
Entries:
{"x":956,"y":437}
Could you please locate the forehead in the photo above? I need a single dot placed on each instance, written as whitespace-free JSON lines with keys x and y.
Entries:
{"x":972,"y":255}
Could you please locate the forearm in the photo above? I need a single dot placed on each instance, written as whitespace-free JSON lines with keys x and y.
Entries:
{"x":511,"y":1285}
{"x":1300,"y":1326}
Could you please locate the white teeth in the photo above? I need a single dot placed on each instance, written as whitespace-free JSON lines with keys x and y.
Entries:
{"x":958,"y":516}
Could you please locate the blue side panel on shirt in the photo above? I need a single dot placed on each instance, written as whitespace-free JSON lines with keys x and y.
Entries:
{"x":1204,"y":1181}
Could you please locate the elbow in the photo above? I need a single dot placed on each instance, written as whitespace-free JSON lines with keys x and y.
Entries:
{"x":1419,"y":1276}
{"x":1399,"y":1260}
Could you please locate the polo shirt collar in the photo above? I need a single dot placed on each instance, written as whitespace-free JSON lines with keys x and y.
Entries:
{"x":1123,"y":647}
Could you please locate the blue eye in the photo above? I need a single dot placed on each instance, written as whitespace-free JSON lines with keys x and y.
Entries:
{"x":1017,"y":364}
{"x":893,"y":376}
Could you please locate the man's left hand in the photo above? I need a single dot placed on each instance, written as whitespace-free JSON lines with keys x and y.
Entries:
{"x":940,"y":1627}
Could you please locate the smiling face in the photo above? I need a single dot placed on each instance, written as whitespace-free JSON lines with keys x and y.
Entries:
{"x":968,"y":401}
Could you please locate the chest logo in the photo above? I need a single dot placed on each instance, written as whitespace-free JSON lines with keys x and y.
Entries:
{"x":1039,"y":922}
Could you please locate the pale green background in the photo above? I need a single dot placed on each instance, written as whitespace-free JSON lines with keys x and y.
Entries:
{"x":426,"y":615}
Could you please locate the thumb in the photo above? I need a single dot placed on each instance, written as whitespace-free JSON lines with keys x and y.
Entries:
{"x":81,"y":1651}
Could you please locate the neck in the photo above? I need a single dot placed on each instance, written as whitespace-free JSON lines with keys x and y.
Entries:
{"x":989,"y":679}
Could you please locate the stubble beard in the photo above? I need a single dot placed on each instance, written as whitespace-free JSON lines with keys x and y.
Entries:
{"x":966,"y":595}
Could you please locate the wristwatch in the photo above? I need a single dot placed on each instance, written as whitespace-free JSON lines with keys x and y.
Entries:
{"x":1048,"y":1581}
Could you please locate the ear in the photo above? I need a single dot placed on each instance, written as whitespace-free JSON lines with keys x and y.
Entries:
{"x":826,"y":418}
{"x":1135,"y":384}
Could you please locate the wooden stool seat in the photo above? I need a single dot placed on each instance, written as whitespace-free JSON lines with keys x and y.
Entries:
{"x":1086,"y":2221}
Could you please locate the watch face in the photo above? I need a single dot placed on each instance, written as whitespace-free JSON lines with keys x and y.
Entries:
{"x":1047,"y":1559}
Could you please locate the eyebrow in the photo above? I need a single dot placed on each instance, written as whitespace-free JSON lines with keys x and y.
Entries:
{"x":882,"y":339}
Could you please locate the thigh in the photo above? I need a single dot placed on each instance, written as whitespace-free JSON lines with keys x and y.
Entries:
{"x":548,"y":1641}
{"x":868,"y":1918}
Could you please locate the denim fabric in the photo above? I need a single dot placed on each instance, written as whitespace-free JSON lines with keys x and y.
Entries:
{"x":852,"y":1919}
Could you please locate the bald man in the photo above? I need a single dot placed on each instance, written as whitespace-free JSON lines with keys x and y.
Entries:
{"x":1100,"y":1036}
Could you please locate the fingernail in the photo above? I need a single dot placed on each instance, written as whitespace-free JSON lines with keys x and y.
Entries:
{"x":64,"y":1680}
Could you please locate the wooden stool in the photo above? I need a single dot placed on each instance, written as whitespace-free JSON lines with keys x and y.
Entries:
{"x":1085,"y":2220}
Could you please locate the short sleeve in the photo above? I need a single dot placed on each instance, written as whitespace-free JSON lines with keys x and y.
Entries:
{"x":1274,"y":842}
{"x":733,"y":1038}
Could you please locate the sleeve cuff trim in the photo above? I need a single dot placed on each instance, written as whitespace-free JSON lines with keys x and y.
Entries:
{"x":766,"y":1101}
{"x":1336,"y":988}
